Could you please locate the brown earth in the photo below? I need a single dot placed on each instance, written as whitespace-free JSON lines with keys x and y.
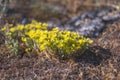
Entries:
{"x":100,"y":62}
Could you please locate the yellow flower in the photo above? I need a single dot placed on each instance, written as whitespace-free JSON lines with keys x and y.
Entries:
{"x":90,"y":41}
{"x":27,"y":49}
{"x":31,"y":33}
{"x":45,"y":24}
{"x":12,"y":29}
{"x":3,"y":29}
{"x":81,"y":41}
{"x":24,"y":39}
{"x":60,"y":45}
{"x":20,"y":27}
{"x":55,"y":29}
{"x":42,"y":47}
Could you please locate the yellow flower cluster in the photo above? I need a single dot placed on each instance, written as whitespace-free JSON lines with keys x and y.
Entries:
{"x":60,"y":42}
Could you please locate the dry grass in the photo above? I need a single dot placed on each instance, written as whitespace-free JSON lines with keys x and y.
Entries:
{"x":100,"y":62}
{"x":110,"y":39}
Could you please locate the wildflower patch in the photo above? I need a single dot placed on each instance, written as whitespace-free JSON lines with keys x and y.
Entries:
{"x":35,"y":35}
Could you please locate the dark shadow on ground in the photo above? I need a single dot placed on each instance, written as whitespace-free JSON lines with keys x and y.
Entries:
{"x":2,"y":38}
{"x":94,"y":55}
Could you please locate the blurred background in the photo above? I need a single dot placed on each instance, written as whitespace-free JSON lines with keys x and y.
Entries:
{"x":13,"y":11}
{"x":88,"y":17}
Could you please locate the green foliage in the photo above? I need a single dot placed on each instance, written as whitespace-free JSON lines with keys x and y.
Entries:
{"x":61,"y":43}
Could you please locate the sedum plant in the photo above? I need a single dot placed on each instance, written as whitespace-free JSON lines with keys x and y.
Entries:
{"x":36,"y":36}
